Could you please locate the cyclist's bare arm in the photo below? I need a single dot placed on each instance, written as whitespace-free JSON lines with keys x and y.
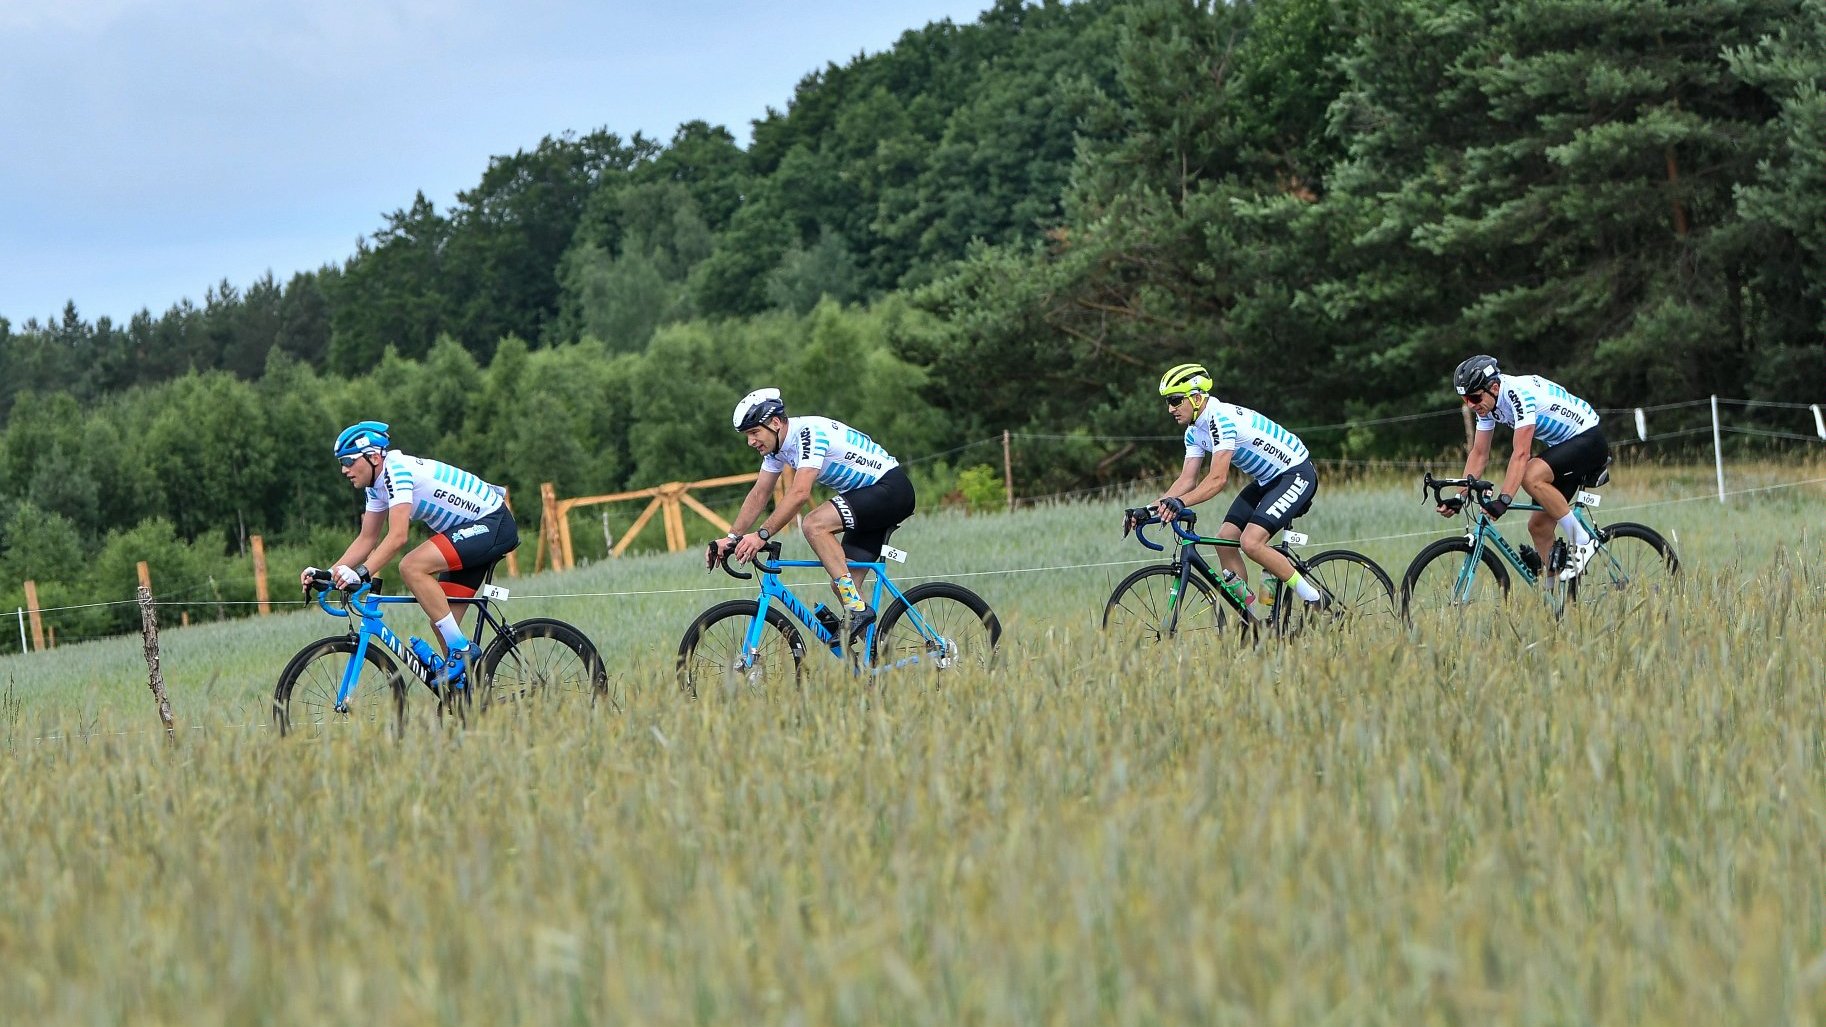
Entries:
{"x":399,"y":532}
{"x":1188,"y":473}
{"x":366,"y":539}
{"x":756,"y":501}
{"x":1518,"y":461}
{"x":1214,"y":479}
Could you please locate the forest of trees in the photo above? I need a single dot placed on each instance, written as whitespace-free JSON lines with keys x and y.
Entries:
{"x":1010,"y":224}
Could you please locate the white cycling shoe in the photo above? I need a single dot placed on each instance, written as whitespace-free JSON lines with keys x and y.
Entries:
{"x":1576,"y":559}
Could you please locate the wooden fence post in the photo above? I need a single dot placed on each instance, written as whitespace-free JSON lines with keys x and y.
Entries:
{"x":149,"y":630}
{"x":145,"y":576}
{"x":260,"y":592}
{"x":31,"y":605}
{"x":1007,"y":469}
{"x":548,"y":526}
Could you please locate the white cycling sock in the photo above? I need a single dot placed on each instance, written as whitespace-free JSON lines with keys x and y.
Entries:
{"x":1303,"y":587}
{"x":451,"y":634}
{"x":1574,"y":530}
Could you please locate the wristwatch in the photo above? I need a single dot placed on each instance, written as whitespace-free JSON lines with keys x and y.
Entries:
{"x":763,"y":533}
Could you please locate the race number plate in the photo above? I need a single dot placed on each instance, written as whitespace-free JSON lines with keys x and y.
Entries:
{"x":890,"y":553}
{"x":492,"y":592}
{"x":1589,"y":498}
{"x":1294,"y":538}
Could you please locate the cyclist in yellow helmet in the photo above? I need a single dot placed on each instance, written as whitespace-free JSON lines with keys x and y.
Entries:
{"x":1283,"y":477}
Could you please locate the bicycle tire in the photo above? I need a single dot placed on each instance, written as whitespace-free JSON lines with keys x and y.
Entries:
{"x":1360,"y":591}
{"x":1443,"y":549}
{"x":1137,"y":607}
{"x":968,"y":628}
{"x":718,"y":628}
{"x":519,"y":665}
{"x":307,"y":686}
{"x":1628,"y":568}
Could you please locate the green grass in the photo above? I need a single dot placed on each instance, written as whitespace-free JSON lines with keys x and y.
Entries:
{"x":1610,"y":819}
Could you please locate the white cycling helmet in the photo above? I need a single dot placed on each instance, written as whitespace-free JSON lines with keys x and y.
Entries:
{"x":756,"y":407}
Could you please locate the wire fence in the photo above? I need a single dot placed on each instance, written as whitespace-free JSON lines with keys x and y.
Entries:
{"x":208,"y":593}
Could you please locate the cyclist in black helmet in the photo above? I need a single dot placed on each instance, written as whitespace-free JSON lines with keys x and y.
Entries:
{"x":1543,"y":411}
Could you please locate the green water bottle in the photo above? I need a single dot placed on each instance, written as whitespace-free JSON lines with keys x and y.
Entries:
{"x":1270,"y":585}
{"x":1235,"y":588}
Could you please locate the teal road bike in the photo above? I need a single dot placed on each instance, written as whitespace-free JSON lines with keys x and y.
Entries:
{"x":936,"y":626}
{"x":1185,"y":596}
{"x":1480,"y":566}
{"x":367,"y":675}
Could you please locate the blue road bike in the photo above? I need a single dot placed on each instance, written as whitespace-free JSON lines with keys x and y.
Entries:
{"x":937,"y":626}
{"x":368,"y":674}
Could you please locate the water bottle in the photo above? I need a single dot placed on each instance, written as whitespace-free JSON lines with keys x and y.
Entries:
{"x":1235,"y":588}
{"x":426,"y":655}
{"x":1530,"y":558}
{"x":828,"y":619}
{"x":1270,"y":585}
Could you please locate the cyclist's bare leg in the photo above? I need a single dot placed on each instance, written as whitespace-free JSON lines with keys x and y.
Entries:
{"x":1537,"y":480}
{"x":1229,"y":558}
{"x":419,"y":570}
{"x":820,"y":528}
{"x":1256,"y":547}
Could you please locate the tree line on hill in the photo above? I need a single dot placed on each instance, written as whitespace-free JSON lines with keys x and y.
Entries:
{"x":1010,"y":224}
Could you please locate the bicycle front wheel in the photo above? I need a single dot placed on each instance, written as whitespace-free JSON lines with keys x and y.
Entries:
{"x":1444,"y":579}
{"x":1631,"y":558}
{"x":939,"y":626}
{"x":1358,"y":589}
{"x":306,"y":694}
{"x":714,"y":650}
{"x":545,"y":658}
{"x":1144,"y":605}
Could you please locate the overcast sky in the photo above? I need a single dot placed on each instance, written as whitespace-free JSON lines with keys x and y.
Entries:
{"x":151,"y":148}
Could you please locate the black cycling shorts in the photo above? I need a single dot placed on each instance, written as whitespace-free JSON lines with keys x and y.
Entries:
{"x":471,"y":549}
{"x":871,"y":513}
{"x":1577,"y":460}
{"x":1274,"y":503}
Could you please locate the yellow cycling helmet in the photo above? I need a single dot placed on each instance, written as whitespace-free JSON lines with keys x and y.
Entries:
{"x":1185,"y":378}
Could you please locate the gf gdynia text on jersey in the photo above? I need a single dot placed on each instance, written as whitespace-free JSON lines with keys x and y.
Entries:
{"x":1259,"y":447}
{"x":846,"y":459}
{"x":1529,"y":399}
{"x":442,"y":496}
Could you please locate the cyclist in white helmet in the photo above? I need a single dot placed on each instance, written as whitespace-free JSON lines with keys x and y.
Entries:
{"x":1539,"y":411}
{"x":473,"y":528}
{"x":1284,"y":479}
{"x":873,"y":493}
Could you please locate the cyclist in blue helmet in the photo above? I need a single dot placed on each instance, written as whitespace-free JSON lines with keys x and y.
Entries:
{"x":471,"y":524}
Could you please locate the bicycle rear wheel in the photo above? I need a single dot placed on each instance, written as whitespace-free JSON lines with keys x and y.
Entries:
{"x":1442,"y":580}
{"x":306,"y":694}
{"x":1141,"y":608}
{"x":939,"y":626}
{"x":1358,"y":590}
{"x":547,"y":659}
{"x":1631,"y":558}
{"x":713,"y":650}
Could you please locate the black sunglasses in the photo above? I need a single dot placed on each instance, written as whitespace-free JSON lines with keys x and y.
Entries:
{"x":1175,"y":401}
{"x":348,"y":460}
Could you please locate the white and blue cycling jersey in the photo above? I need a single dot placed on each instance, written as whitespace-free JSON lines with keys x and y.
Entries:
{"x":1528,"y":399}
{"x":845,"y":458}
{"x":441,"y":496}
{"x":1258,"y":447}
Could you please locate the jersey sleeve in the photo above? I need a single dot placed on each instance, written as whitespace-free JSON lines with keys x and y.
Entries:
{"x":772,"y":464}
{"x":396,"y":482}
{"x":376,"y":502}
{"x":1523,"y":402}
{"x":1194,"y":446}
{"x":1486,"y":423}
{"x":1223,"y":434}
{"x":813,"y":445}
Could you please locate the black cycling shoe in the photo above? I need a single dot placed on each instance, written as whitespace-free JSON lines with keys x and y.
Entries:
{"x":859,"y":621}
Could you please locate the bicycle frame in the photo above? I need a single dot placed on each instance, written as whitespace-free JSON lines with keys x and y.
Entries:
{"x":773,"y":590}
{"x":1480,"y":531}
{"x":1187,"y":558}
{"x":371,"y":626}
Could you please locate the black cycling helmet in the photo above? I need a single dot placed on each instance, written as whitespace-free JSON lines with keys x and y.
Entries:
{"x":1474,"y":374}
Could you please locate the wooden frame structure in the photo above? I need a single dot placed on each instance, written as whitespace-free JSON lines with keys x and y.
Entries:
{"x":668,"y":500}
